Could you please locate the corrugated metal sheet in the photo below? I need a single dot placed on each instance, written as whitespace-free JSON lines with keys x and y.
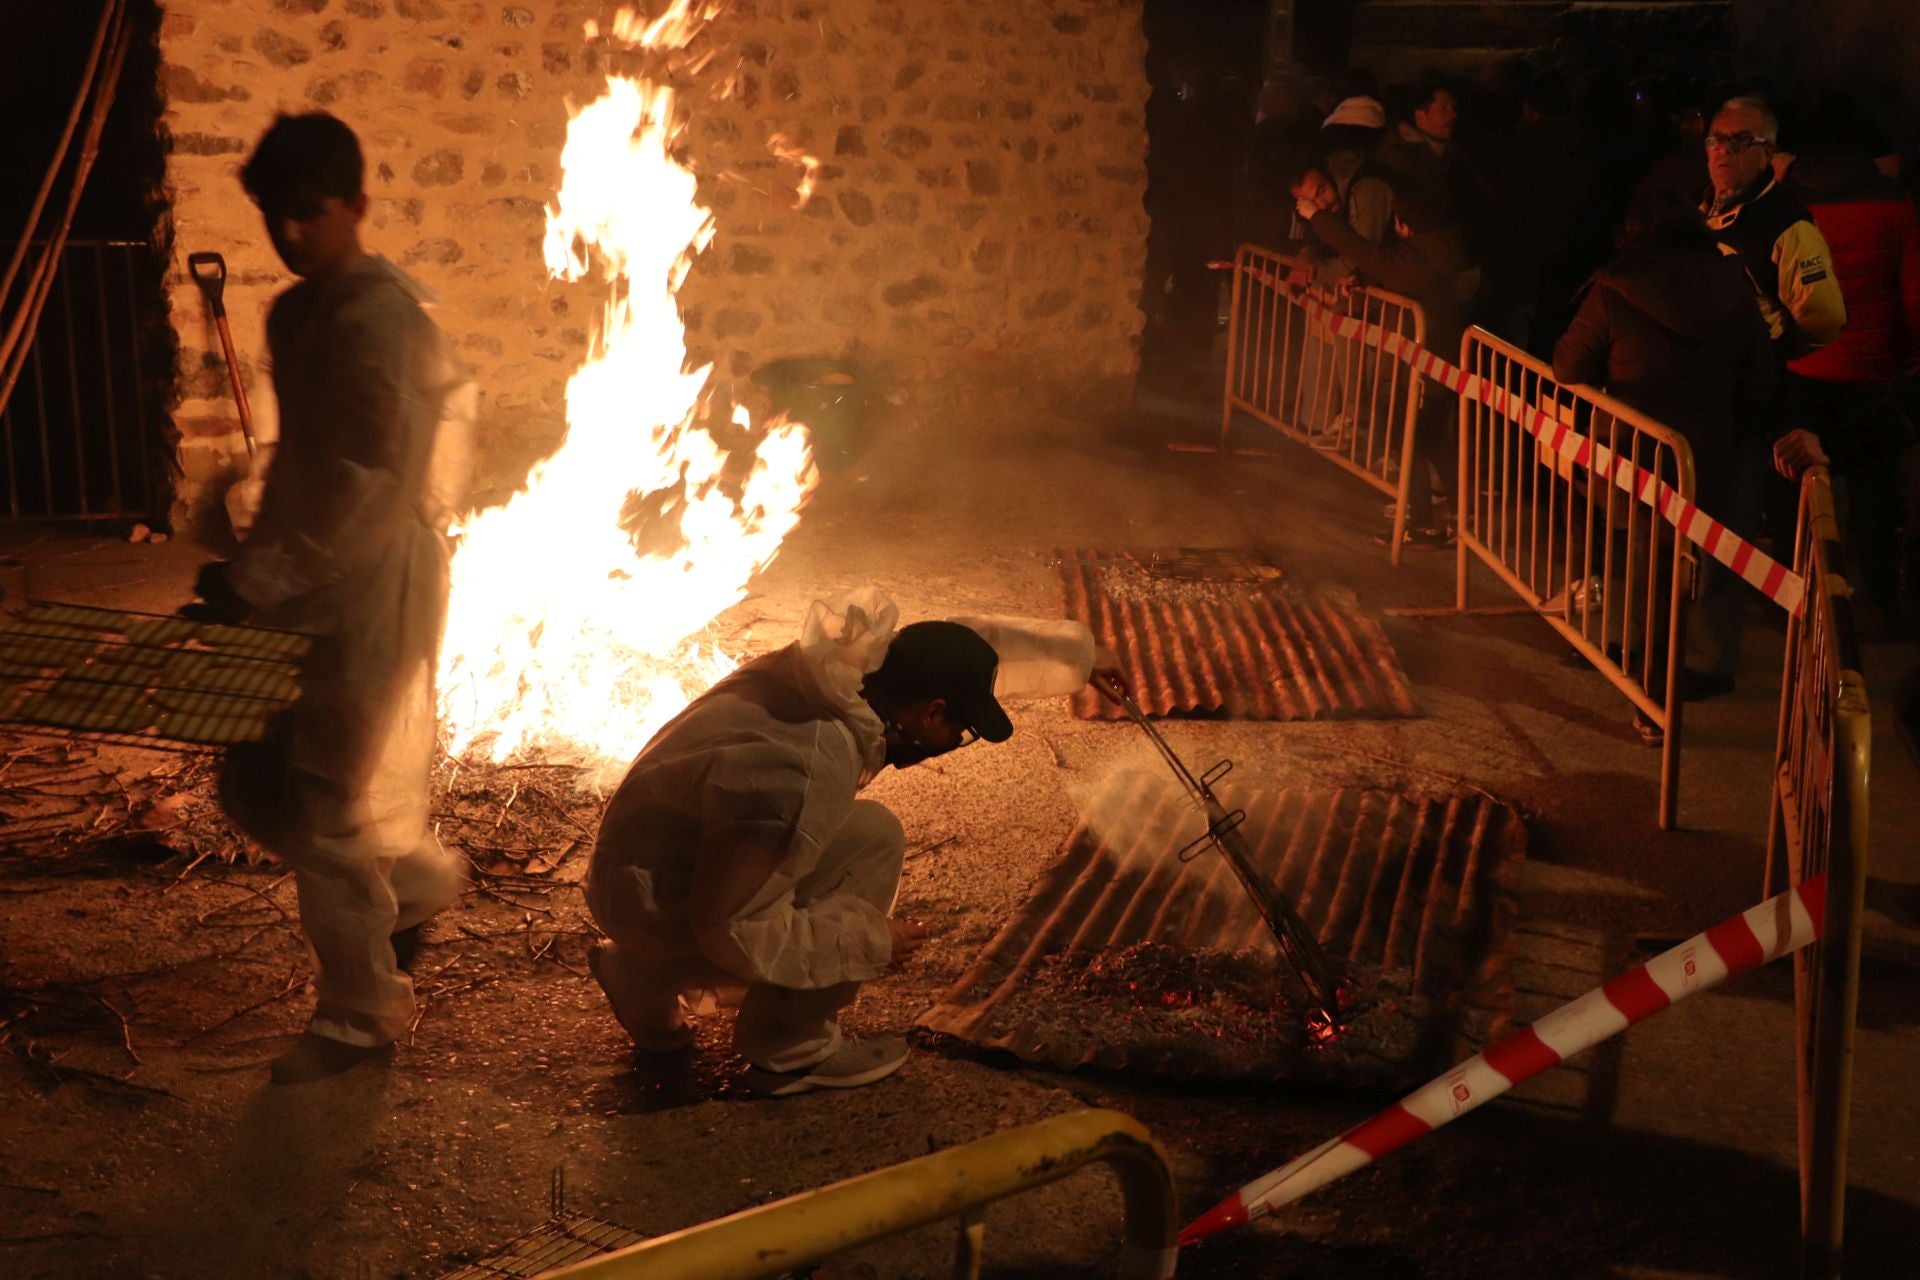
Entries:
{"x":1124,"y":956}
{"x":1254,"y":650}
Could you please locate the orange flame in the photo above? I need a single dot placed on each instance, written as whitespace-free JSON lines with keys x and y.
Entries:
{"x":564,"y":639}
{"x":809,"y":167}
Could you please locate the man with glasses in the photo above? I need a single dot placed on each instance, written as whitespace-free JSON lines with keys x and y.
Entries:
{"x":735,"y":860}
{"x":1760,"y":222}
{"x":1762,"y":225}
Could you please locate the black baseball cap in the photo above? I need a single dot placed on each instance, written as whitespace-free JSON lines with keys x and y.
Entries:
{"x":946,"y":660}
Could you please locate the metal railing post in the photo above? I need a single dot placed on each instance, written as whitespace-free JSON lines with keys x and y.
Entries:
{"x":772,"y":1239}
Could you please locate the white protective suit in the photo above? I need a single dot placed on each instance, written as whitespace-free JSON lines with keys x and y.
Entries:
{"x":350,"y":546}
{"x":736,"y":854}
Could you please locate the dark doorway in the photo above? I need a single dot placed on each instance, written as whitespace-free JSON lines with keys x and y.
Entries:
{"x":1204,"y":65}
{"x":83,"y":435}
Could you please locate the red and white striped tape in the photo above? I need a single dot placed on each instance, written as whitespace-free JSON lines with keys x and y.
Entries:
{"x":1776,"y":927}
{"x":1766,"y":575}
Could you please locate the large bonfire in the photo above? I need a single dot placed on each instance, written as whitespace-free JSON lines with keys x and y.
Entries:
{"x":568,"y":638}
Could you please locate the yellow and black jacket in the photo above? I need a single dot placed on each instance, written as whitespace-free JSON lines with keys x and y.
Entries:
{"x":1787,"y":259}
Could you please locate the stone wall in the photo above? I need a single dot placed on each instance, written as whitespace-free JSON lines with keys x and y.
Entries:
{"x":978,"y":218}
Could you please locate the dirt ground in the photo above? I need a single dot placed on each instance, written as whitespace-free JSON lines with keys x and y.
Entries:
{"x":142,"y":991}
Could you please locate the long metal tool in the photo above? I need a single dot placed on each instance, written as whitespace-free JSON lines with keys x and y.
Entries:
{"x":1297,"y":942}
{"x":209,"y":271}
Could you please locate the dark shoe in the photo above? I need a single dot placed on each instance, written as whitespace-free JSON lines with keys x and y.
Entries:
{"x":314,"y":1057}
{"x":1650,"y":733}
{"x":1697,"y":686}
{"x":406,"y":946}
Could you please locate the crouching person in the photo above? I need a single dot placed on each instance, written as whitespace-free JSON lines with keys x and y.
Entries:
{"x":736,"y":858}
{"x":348,"y":547}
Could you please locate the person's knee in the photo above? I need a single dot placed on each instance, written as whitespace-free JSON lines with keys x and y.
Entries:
{"x":876,"y":826}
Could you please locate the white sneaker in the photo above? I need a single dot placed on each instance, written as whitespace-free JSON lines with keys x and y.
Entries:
{"x":1332,"y":435}
{"x":655,"y":1019}
{"x":854,"y":1063}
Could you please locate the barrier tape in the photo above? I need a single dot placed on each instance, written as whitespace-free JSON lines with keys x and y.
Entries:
{"x":1761,"y":571}
{"x":1777,"y":927}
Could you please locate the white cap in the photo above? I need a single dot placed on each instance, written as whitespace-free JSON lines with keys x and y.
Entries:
{"x":1364,"y":112}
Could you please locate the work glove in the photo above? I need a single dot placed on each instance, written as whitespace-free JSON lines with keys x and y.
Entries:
{"x":218,"y":601}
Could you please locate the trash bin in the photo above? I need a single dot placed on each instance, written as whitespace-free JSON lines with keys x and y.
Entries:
{"x":828,"y":395}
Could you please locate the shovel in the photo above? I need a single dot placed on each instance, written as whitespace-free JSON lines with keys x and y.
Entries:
{"x":209,"y":271}
{"x":1297,"y":942}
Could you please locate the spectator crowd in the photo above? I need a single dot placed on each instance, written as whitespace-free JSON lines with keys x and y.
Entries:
{"x":1742,"y":269}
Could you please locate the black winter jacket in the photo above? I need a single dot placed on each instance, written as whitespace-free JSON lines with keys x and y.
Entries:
{"x":1673,"y":332}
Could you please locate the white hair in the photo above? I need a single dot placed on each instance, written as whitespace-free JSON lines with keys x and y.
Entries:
{"x":1769,"y":130}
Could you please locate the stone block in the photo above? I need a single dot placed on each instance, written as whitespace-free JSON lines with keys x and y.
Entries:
{"x":280,"y":50}
{"x":856,"y":205}
{"x":905,"y":141}
{"x":180,"y":84}
{"x":439,"y":168}
{"x":904,"y":293}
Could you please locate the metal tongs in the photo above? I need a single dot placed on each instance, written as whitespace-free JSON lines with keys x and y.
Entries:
{"x":1297,"y":942}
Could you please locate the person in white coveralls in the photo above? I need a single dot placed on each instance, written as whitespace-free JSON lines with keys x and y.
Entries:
{"x":736,"y":856}
{"x":349,"y":546}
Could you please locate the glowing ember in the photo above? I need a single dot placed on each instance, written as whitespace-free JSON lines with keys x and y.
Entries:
{"x":578,"y":607}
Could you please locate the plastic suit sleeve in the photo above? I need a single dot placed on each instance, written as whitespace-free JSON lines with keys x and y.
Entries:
{"x":1808,"y":287}
{"x":1039,"y":657}
{"x":347,"y":507}
{"x":762,"y":835}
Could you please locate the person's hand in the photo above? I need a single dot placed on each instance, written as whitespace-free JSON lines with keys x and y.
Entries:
{"x":1305,"y":209}
{"x":907,"y":936}
{"x":1796,"y":451}
{"x":1109,"y":680}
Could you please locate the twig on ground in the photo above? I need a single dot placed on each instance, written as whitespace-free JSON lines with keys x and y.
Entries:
{"x":511,"y":797}
{"x":126,"y":1031}
{"x":295,"y":981}
{"x":200,"y":858}
{"x":262,"y":894}
{"x":60,"y":1072}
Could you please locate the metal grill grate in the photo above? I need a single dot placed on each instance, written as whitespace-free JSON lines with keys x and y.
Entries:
{"x":1125,"y":957}
{"x":148,"y":676}
{"x":1213,"y":633}
{"x":561,"y":1241}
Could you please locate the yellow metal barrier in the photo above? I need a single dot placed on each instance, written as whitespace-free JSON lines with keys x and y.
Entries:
{"x":1819,"y":824}
{"x":776,"y":1238}
{"x":1353,"y":402}
{"x":1603,"y":570}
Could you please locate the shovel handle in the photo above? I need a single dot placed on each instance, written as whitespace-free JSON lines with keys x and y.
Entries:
{"x":209,"y":271}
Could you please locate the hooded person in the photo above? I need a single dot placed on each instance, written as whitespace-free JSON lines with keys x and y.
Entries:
{"x":349,"y":546}
{"x":1669,"y":328}
{"x":736,"y":859}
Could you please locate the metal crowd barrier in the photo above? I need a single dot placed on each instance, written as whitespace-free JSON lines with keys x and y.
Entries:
{"x":777,"y":1238}
{"x":1603,"y":570}
{"x":1819,"y":825}
{"x":1351,"y":401}
{"x":75,"y":439}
